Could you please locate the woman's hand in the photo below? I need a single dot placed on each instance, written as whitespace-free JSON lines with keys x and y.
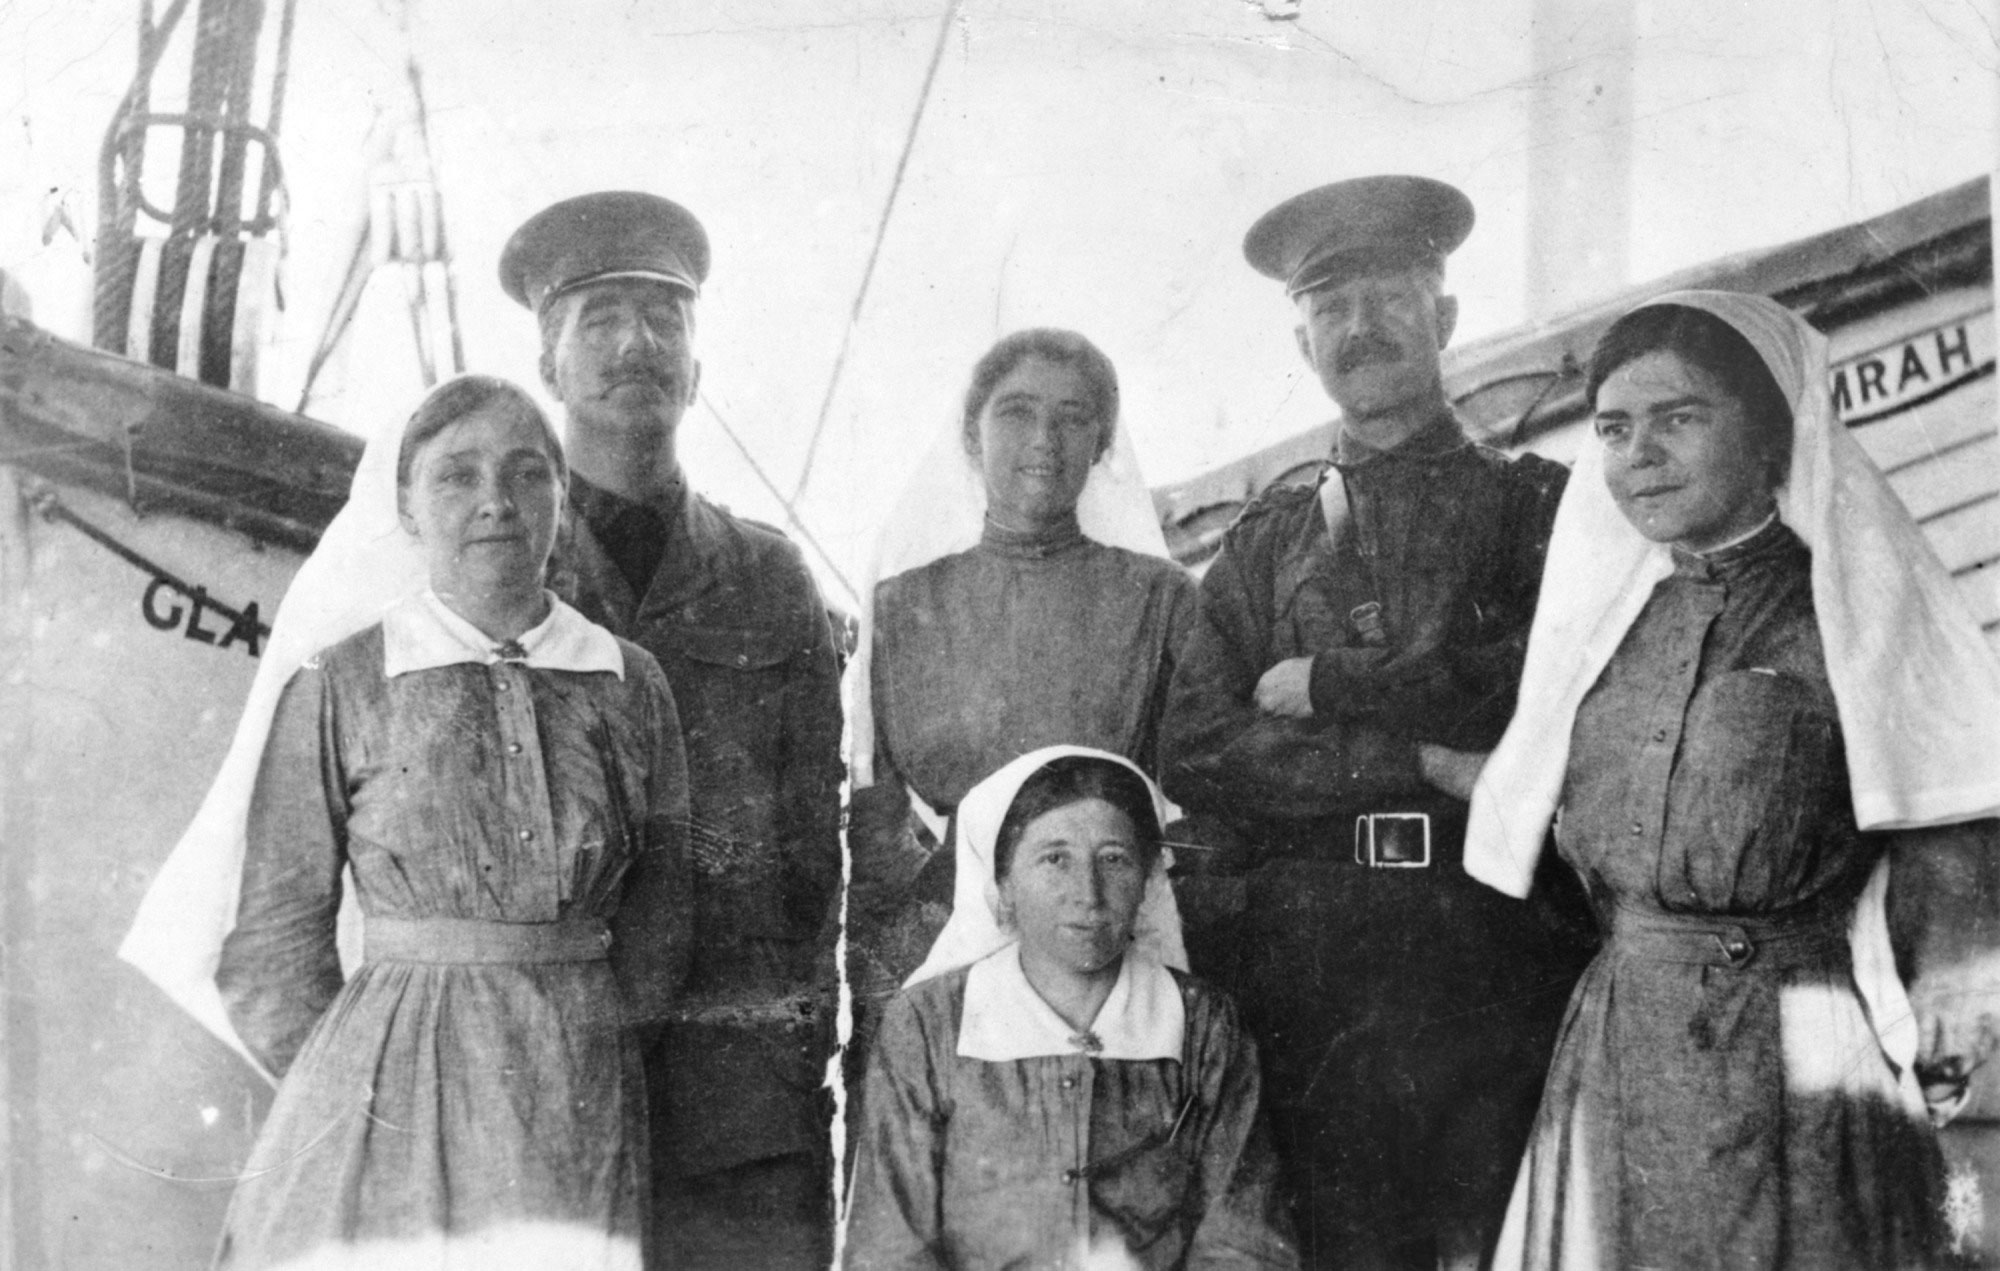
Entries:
{"x":1452,"y":771}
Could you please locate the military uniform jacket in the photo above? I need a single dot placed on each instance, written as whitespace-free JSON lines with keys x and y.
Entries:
{"x":1447,"y":537}
{"x":737,"y":624}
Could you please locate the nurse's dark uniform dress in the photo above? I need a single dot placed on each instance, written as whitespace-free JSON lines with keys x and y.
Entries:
{"x":1023,"y":641}
{"x":475,"y":1085}
{"x":1718,"y":1097}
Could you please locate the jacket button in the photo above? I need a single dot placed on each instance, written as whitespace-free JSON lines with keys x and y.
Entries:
{"x":526,"y":835}
{"x":513,"y":747}
{"x":1069,"y":1083}
{"x":743,"y":659}
{"x":1638,"y":828}
{"x":1071,"y":1176}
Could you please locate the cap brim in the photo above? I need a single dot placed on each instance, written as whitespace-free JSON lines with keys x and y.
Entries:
{"x":1387,"y":217}
{"x":597,"y":236}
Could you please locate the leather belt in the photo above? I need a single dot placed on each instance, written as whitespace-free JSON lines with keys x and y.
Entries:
{"x":1778,"y":941}
{"x":474,"y":940}
{"x":1420,"y":834}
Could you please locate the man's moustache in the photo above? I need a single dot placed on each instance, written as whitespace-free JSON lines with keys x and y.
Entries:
{"x":643,"y":375}
{"x":1361,"y":352}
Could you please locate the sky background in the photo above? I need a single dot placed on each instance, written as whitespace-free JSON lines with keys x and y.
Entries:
{"x":1083,"y":163}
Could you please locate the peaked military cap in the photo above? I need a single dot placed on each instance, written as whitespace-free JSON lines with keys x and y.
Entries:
{"x":1314,"y":238}
{"x":594,"y":237}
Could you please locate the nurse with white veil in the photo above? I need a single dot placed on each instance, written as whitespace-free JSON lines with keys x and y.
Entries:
{"x":1052,"y":1090}
{"x":1021,"y":597}
{"x":437,"y":742}
{"x":1768,"y":732}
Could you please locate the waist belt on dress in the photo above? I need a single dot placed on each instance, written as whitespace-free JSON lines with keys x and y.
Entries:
{"x":1716,"y":940}
{"x":451,"y":940}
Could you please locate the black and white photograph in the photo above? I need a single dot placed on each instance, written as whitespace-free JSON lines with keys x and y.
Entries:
{"x":1119,"y":635}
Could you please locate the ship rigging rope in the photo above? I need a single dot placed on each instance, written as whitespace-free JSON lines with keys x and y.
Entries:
{"x":118,"y":214}
{"x":874,"y":254}
{"x":273,"y":175}
{"x":791,"y":513}
{"x":345,"y":302}
{"x":209,"y":192}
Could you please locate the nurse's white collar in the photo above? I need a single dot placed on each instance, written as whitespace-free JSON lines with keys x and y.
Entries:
{"x":420,"y":632}
{"x":1005,"y":1019}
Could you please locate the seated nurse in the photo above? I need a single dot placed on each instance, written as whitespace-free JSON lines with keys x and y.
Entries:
{"x":1049,"y":1089}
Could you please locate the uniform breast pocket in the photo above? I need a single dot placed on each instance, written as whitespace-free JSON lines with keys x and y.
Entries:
{"x":746,"y":649}
{"x":728,"y":687}
{"x":731,"y":678}
{"x":1759,"y":755}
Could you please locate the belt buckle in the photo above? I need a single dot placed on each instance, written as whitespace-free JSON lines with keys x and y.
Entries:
{"x":1393,"y":840}
{"x":1736,"y":946}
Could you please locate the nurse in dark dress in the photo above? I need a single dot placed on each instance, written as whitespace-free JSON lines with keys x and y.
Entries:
{"x":495,"y":780}
{"x":1751,"y":688}
{"x":1025,"y":600}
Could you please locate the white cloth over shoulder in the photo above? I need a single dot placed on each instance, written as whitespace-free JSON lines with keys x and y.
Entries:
{"x":1916,"y":685}
{"x":942,"y":511}
{"x":364,"y":563}
{"x":974,"y":929}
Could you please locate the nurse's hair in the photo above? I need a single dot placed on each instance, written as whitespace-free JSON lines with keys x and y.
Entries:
{"x":1705,"y":341}
{"x":1072,"y":779}
{"x":1064,"y":348}
{"x":466,"y":395}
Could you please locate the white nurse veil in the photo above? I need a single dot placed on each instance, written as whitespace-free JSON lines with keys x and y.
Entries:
{"x":1916,"y":684}
{"x":942,"y":511}
{"x":974,"y":930}
{"x":365,"y":562}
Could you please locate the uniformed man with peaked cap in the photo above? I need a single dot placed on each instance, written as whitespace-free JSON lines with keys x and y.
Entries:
{"x":741,"y":1156}
{"x":1356,"y":639}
